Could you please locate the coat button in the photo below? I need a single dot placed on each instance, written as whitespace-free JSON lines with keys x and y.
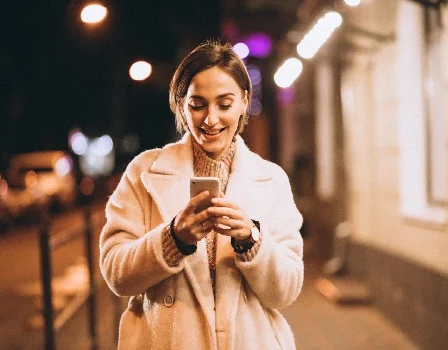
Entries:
{"x":168,"y":300}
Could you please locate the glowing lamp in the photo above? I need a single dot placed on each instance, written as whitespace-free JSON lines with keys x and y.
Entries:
{"x":319,"y":34}
{"x":93,"y":13}
{"x":288,"y":72}
{"x":140,"y":70}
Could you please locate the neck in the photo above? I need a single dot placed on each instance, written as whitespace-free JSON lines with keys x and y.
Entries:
{"x":216,"y":156}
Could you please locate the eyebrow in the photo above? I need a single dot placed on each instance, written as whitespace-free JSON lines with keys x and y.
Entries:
{"x":198,"y":97}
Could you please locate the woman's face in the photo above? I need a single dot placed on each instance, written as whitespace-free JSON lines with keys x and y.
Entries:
{"x":213,"y":106}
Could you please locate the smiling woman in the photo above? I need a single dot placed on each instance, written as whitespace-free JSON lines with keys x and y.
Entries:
{"x":215,"y":275}
{"x":213,"y":108}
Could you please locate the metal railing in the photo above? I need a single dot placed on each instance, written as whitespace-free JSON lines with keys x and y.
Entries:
{"x":48,"y":244}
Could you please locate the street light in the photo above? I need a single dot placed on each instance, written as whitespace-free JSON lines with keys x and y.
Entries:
{"x":93,"y":13}
{"x":140,"y":70}
{"x":288,"y":72}
{"x":319,"y":34}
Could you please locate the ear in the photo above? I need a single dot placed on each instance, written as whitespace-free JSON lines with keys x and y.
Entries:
{"x":245,"y":103}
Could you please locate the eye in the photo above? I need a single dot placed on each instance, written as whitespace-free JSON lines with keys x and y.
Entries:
{"x":225,"y":107}
{"x":196,"y":108}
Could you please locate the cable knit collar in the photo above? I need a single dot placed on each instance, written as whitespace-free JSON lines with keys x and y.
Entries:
{"x":206,"y":166}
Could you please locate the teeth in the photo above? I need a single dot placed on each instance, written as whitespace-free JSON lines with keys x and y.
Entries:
{"x":211,"y":133}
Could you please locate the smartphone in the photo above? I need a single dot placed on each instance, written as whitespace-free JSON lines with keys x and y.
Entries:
{"x":201,"y":184}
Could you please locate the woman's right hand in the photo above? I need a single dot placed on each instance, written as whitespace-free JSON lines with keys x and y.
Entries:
{"x":190,"y":227}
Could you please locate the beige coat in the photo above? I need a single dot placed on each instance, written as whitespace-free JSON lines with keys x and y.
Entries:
{"x":178,"y":309}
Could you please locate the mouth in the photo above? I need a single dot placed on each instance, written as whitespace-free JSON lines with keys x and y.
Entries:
{"x":213,"y":132}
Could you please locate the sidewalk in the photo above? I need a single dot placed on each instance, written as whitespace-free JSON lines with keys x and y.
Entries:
{"x":318,"y":323}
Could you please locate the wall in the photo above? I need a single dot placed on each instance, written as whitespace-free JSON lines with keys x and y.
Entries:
{"x":371,"y":105}
{"x":401,"y":257}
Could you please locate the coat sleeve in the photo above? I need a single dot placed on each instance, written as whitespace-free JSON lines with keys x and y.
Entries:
{"x":131,"y":259}
{"x":276,"y":272}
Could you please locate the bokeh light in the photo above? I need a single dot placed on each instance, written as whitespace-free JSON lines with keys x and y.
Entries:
{"x":288,"y":72}
{"x":79,"y":143}
{"x":140,"y":70}
{"x":352,"y":3}
{"x":93,"y":13}
{"x":31,"y":178}
{"x":86,"y":186}
{"x":319,"y":34}
{"x":101,"y":146}
{"x":256,"y":80}
{"x":260,"y":44}
{"x":255,"y":107}
{"x":241,"y":49}
{"x":63,"y":166}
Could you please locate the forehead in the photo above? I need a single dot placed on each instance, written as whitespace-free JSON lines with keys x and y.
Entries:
{"x":213,"y":81}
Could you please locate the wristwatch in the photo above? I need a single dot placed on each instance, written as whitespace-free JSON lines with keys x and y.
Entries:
{"x":241,"y":247}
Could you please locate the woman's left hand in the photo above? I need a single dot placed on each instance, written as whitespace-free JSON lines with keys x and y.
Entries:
{"x":229,"y":219}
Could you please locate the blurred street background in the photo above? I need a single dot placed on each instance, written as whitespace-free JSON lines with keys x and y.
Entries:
{"x":349,"y":98}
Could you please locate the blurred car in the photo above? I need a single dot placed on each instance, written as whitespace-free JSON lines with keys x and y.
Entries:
{"x":47,"y":177}
{"x":17,"y":202}
{"x":5,"y":215}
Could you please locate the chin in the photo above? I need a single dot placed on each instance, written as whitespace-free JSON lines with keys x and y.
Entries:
{"x":214,"y":149}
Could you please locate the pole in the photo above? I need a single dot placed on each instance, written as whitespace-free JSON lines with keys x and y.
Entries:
{"x":89,"y":253}
{"x":46,"y":284}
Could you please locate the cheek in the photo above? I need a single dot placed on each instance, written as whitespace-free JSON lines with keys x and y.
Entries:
{"x":189,"y":117}
{"x":233,"y":121}
{"x":195,"y":119}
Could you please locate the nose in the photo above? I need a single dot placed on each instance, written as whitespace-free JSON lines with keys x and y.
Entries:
{"x":212,"y":117}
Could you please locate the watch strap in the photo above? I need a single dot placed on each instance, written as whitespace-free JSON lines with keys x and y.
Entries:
{"x":185,"y":249}
{"x":242,"y":247}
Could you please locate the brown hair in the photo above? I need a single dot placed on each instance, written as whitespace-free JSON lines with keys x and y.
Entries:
{"x":205,"y":56}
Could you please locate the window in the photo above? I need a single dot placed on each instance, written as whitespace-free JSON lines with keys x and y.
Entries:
{"x":422,"y":114}
{"x":436,"y":90}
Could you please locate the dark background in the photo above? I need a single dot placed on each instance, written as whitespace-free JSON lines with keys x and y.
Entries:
{"x":57,"y":73}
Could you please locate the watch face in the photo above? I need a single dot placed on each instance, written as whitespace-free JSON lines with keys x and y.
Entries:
{"x":255,"y":234}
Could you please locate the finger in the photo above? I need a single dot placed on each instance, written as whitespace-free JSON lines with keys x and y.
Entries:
{"x":230,"y":223}
{"x":202,"y":216}
{"x":227,"y":231}
{"x":221,"y":195}
{"x":224,"y":202}
{"x":196,"y":200}
{"x":206,"y":226}
{"x":224,"y":211}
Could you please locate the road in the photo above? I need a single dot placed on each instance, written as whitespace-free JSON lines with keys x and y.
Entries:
{"x":20,"y":296}
{"x":316,"y":322}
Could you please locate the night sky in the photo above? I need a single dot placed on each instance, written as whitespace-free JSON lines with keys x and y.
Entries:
{"x":57,"y":74}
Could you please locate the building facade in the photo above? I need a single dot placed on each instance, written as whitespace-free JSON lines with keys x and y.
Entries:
{"x":375,"y":99}
{"x":394,"y":89}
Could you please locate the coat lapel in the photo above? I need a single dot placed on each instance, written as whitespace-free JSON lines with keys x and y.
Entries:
{"x":248,"y":184}
{"x":168,"y":183}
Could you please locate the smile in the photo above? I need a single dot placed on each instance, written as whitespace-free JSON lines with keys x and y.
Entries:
{"x":212,"y":132}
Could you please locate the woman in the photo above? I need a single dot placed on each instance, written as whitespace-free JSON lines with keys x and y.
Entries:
{"x":214,"y":279}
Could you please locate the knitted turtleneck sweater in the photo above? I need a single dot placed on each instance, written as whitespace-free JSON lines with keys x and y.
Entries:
{"x":205,"y":166}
